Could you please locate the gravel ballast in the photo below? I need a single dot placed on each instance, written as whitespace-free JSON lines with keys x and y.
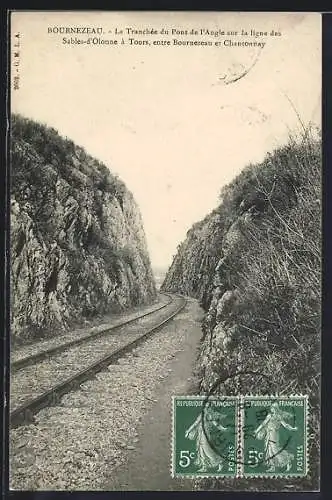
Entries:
{"x":77,"y":444}
{"x":92,"y":326}
{"x":35,"y":379}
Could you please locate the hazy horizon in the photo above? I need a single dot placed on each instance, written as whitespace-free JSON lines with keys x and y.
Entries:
{"x":161,"y":118}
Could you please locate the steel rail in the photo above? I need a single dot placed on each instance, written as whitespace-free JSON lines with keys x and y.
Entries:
{"x":39,"y":356}
{"x":24,"y":413}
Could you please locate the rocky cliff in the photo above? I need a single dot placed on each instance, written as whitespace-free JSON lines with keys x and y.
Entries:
{"x":78,"y":246}
{"x":254,"y":264}
{"x":192,"y":269}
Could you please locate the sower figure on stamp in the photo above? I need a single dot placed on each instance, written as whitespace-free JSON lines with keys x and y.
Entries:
{"x":275,"y":454}
{"x":206,"y":457}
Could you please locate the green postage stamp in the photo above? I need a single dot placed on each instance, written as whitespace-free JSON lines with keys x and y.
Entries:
{"x":274,"y":436}
{"x":205,"y":436}
{"x":244,"y":436}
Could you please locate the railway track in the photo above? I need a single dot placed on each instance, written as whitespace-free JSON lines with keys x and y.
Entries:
{"x":97,"y":354}
{"x":46,"y":353}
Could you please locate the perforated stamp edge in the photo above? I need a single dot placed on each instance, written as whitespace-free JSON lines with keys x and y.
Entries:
{"x":176,"y":475}
{"x":240,"y":437}
{"x":281,"y":475}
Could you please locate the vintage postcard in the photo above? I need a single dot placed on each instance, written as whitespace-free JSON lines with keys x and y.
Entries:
{"x":165,"y":251}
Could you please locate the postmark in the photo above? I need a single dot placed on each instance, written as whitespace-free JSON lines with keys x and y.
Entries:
{"x":274,"y":436}
{"x":241,"y":63}
{"x":205,"y":436}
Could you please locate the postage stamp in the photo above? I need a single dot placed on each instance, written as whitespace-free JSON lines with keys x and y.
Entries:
{"x":205,"y":436}
{"x":274,"y":435}
{"x":243,"y":436}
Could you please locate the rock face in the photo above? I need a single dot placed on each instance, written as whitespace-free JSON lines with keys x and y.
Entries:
{"x":78,"y":247}
{"x":254,"y":264}
{"x":192,"y":269}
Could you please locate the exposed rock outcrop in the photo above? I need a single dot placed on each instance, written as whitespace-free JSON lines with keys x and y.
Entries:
{"x":192,"y":269}
{"x":254,"y":264}
{"x":78,"y":246}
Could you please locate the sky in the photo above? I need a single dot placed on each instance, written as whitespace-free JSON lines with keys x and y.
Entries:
{"x":162,"y":117}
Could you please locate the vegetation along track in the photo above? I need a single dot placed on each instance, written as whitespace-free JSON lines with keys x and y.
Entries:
{"x":30,"y":387}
